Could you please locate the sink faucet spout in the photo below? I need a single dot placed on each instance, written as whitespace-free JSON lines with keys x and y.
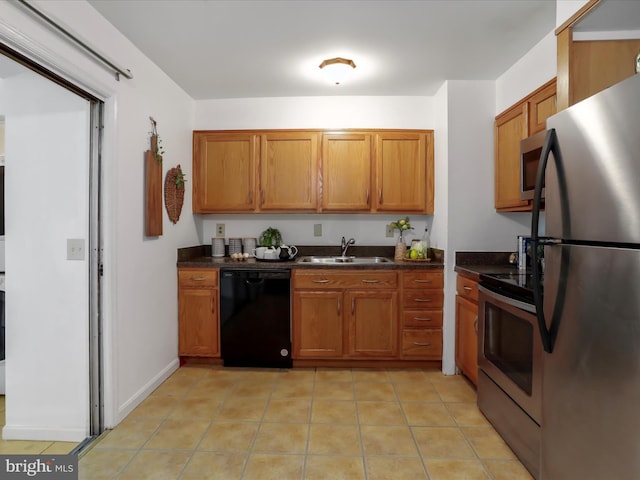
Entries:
{"x":344,"y":245}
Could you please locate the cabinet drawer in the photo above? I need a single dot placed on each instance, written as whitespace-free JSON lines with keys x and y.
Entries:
{"x":422,"y":318}
{"x":321,"y":279}
{"x":422,"y":342}
{"x":467,"y":288}
{"x":197,"y":277}
{"x":423,"y":279}
{"x":423,"y":299}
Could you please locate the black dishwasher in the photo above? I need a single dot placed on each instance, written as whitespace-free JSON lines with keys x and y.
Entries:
{"x":255,"y":317}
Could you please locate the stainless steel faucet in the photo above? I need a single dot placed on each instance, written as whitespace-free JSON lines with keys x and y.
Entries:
{"x":345,"y":245}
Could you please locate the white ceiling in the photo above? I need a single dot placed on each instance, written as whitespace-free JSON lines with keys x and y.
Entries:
{"x":269,"y":48}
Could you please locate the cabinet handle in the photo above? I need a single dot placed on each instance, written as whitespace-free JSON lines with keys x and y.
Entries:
{"x":250,"y":196}
{"x":321,"y":281}
{"x":198,"y":279}
{"x":380,"y":196}
{"x":423,"y":319}
{"x":353,"y":305}
{"x":475,"y":324}
{"x":424,"y":299}
{"x":468,"y":289}
{"x":367,"y":196}
{"x":370,"y":281}
{"x":213,"y":306}
{"x":422,"y":344}
{"x":417,"y":280}
{"x":339,"y":306}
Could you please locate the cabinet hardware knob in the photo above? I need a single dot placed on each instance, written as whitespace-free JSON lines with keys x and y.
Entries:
{"x":422,"y":344}
{"x":475,"y":324}
{"x":198,"y":279}
{"x":380,"y":196}
{"x":423,"y":319}
{"x":321,"y":281}
{"x":468,"y":289}
{"x":367,"y":196}
{"x":370,"y":281}
{"x":417,"y":280}
{"x":424,"y":299}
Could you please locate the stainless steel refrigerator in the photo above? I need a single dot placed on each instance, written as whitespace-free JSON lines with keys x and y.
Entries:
{"x":590,"y":295}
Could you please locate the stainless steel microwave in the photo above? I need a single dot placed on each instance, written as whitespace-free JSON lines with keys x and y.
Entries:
{"x":530,"y":151}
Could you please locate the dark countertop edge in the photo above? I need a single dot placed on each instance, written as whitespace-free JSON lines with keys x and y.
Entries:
{"x":226,"y":262}
{"x":474,"y":264}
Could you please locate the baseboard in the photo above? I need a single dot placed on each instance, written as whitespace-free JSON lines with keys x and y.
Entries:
{"x":136,"y":399}
{"x":48,"y":433}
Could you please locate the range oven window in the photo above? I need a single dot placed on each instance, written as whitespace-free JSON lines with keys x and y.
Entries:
{"x":508,"y":344}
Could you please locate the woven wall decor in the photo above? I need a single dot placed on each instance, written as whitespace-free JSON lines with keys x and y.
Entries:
{"x":174,"y":193}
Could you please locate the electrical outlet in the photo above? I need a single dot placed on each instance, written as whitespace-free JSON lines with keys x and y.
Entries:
{"x":389,"y":231}
{"x":75,"y":248}
{"x":317,"y":230}
{"x":219,"y":229}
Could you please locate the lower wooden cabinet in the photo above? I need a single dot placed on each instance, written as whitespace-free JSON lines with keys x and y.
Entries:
{"x":467,"y":327}
{"x":338,"y":315}
{"x":198,"y":312}
{"x":422,"y":300}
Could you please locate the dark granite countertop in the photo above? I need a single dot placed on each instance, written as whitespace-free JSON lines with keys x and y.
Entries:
{"x":474,"y":264}
{"x":200,"y":257}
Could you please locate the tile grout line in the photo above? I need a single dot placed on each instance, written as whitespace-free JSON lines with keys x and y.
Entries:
{"x":362,"y":451}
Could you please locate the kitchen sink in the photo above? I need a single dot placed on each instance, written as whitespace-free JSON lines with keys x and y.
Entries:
{"x":344,"y":260}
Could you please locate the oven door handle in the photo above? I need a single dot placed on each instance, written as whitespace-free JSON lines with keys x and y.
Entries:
{"x":527,"y":307}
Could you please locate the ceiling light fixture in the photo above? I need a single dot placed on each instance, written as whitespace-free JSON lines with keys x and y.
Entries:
{"x":337,"y":69}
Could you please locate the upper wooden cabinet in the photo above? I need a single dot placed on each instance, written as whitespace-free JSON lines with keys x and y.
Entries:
{"x":313,"y":170}
{"x":587,"y":64}
{"x":346,"y":172}
{"x":224,"y":172}
{"x":402,"y":162}
{"x":523,"y":119}
{"x":289,"y":171}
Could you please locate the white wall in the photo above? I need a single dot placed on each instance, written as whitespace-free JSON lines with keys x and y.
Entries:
{"x":140,"y":284}
{"x":47,"y":197}
{"x":314,"y":112}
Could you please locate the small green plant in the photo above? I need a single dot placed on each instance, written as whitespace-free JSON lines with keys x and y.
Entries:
{"x":180,"y":179}
{"x":159,"y":151}
{"x":271,"y":237}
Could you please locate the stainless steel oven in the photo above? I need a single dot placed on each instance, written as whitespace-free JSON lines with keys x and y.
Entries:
{"x":510,"y":372}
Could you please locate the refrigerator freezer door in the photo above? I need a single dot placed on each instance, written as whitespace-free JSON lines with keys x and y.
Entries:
{"x":591,"y":381}
{"x":600,"y":147}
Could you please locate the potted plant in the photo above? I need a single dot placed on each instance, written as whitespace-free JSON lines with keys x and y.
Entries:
{"x":271,"y":237}
{"x":402,"y":225}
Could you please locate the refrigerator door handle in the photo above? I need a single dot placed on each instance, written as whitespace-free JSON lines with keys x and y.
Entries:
{"x":551,"y":145}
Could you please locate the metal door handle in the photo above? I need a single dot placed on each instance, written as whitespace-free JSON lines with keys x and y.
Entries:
{"x":367,"y":196}
{"x":380,"y":196}
{"x":417,"y":280}
{"x":424,"y":299}
{"x":339,"y":306}
{"x":213,"y":304}
{"x":262,"y":196}
{"x":423,"y":319}
{"x":320,"y":281}
{"x":353,"y":305}
{"x":475,"y":325}
{"x":198,"y":279}
{"x":250,"y":196}
{"x":468,"y":289}
{"x":422,"y":344}
{"x":370,"y":281}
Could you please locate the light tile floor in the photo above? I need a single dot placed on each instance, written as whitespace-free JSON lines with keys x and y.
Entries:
{"x":208,"y":423}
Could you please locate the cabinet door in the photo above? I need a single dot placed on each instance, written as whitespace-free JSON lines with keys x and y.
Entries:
{"x":542,"y":105}
{"x":224,"y":167}
{"x":317,"y":324}
{"x":401,"y":180}
{"x":373,"y":323}
{"x":346,"y":172}
{"x":198,"y":322}
{"x":289,"y":171}
{"x":510,"y":128}
{"x":467,"y":337}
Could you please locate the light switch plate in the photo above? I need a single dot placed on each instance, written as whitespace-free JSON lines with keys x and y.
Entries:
{"x":75,"y":248}
{"x":389,"y":231}
{"x":317,"y":230}
{"x":219,"y":229}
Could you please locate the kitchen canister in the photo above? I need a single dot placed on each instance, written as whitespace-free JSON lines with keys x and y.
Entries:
{"x":248,"y":245}
{"x":235,"y":245}
{"x":217,"y":247}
